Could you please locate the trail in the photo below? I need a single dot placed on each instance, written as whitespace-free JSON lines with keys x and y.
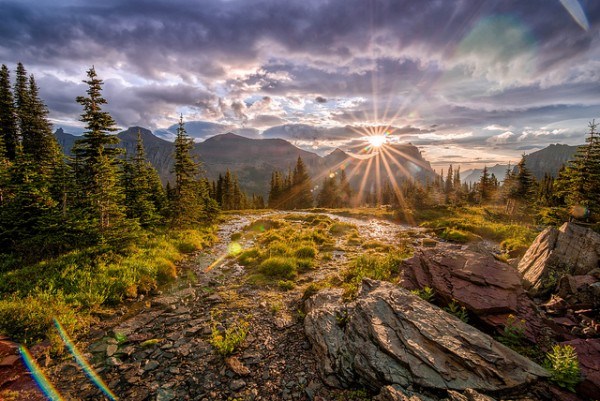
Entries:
{"x":165,"y":352}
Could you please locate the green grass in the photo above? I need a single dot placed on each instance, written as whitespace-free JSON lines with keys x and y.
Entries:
{"x":84,"y":281}
{"x":463,"y":224}
{"x":290,"y":249}
{"x":228,"y":341}
{"x":378,"y":267}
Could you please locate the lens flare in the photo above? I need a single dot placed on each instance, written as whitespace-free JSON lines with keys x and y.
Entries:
{"x":81,"y":361}
{"x":38,"y":375}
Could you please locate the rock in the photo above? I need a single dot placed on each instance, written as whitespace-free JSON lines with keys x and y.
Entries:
{"x":486,"y":287}
{"x":237,"y":366}
{"x":237,"y":385}
{"x":111,"y":349}
{"x":397,"y":393}
{"x":428,"y":242}
{"x":468,"y":395}
{"x":588,"y":352}
{"x":9,"y":361}
{"x":571,"y":249}
{"x":151,"y":365}
{"x":390,"y":336}
{"x":165,"y":394}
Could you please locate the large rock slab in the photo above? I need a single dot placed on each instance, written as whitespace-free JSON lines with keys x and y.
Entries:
{"x":571,"y":249}
{"x":390,"y":336}
{"x":486,"y":287}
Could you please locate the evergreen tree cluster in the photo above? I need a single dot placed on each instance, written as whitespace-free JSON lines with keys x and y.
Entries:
{"x":227,"y":193}
{"x":292,"y":190}
{"x":50,"y":203}
{"x":335,"y":192}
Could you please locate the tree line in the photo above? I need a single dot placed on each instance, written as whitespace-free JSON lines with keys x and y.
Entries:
{"x":50,"y":203}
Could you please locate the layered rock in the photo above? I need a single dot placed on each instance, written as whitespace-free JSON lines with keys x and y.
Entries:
{"x":571,"y":249}
{"x":486,"y":287}
{"x":389,"y":336}
{"x":588,"y":352}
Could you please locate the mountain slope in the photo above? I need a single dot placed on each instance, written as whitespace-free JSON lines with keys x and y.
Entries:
{"x":253,"y":160}
{"x":549,"y":160}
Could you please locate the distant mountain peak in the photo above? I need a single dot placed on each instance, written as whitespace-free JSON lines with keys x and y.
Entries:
{"x":338,"y":152}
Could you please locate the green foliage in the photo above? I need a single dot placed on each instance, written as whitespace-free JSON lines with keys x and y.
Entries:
{"x":563,"y":365}
{"x":84,"y":280}
{"x":354,"y":395}
{"x":513,"y":333}
{"x":286,"y":285}
{"x":426,"y":294}
{"x":279,"y":267}
{"x":457,"y":310}
{"x":454,"y":235}
{"x":378,"y":267}
{"x":227,"y":341}
{"x":305,"y":252}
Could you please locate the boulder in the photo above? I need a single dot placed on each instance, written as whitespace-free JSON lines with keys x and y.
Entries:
{"x":390,"y":336}
{"x":571,"y":249}
{"x":397,"y":393}
{"x":486,"y":287}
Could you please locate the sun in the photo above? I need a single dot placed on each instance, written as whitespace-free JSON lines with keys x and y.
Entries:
{"x":377,"y":141}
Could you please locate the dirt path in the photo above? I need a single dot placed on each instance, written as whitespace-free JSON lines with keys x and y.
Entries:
{"x":160,"y":349}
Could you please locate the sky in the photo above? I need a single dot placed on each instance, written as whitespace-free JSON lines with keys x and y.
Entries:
{"x":470,"y":82}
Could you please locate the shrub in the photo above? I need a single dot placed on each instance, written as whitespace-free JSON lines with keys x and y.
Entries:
{"x":513,"y":333}
{"x":341,"y":228}
{"x":563,"y":365}
{"x":426,"y":293}
{"x":305,"y":264}
{"x":454,"y":235}
{"x":279,"y":267}
{"x":305,"y":252}
{"x":377,"y":245}
{"x":455,"y":309}
{"x":286,"y":285}
{"x":279,"y":248}
{"x":227,"y":341}
{"x":249,"y":256}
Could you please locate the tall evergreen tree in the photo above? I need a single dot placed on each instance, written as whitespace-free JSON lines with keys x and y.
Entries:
{"x":97,"y":173}
{"x":8,"y":117}
{"x":143,"y":198}
{"x":21,"y":95}
{"x":301,"y":192}
{"x":345,"y":190}
{"x":37,"y":138}
{"x":329,"y":194}
{"x":190,"y":204}
{"x":580,"y":182}
{"x":485,"y":186}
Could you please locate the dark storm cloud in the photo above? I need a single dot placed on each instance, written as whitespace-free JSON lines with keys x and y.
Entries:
{"x":461,"y":65}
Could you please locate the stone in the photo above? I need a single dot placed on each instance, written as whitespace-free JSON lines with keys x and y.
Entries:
{"x":571,"y":249}
{"x":237,"y":385}
{"x":165,"y":394}
{"x":111,"y":349}
{"x":390,"y":336}
{"x":237,"y":366}
{"x":397,"y":393}
{"x":151,"y":365}
{"x":588,"y":353}
{"x":468,"y":395}
{"x":486,"y":287}
{"x":9,"y":361}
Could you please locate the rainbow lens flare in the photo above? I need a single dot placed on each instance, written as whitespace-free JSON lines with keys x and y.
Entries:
{"x":81,"y":361}
{"x":38,"y":375}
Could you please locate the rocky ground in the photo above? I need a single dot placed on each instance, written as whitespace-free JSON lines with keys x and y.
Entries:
{"x":158,"y":348}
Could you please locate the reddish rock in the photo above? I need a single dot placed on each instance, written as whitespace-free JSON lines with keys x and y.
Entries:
{"x":572,"y":249}
{"x":483,"y":285}
{"x":588,"y":352}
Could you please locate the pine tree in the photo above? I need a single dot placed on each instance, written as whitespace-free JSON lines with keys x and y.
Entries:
{"x":21,"y":95}
{"x":329,"y":194}
{"x":8,"y":117}
{"x":580,"y":182}
{"x":275,"y":192}
{"x":143,"y":198}
{"x":190,"y":203}
{"x":97,"y":173}
{"x":38,"y":140}
{"x":4,"y":173}
{"x":301,"y":187}
{"x":524,"y":182}
{"x":345,"y":190}
{"x":485,"y":186}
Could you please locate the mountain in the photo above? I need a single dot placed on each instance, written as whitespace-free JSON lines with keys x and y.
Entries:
{"x":549,"y":160}
{"x":253,"y":160}
{"x":474,"y":175}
